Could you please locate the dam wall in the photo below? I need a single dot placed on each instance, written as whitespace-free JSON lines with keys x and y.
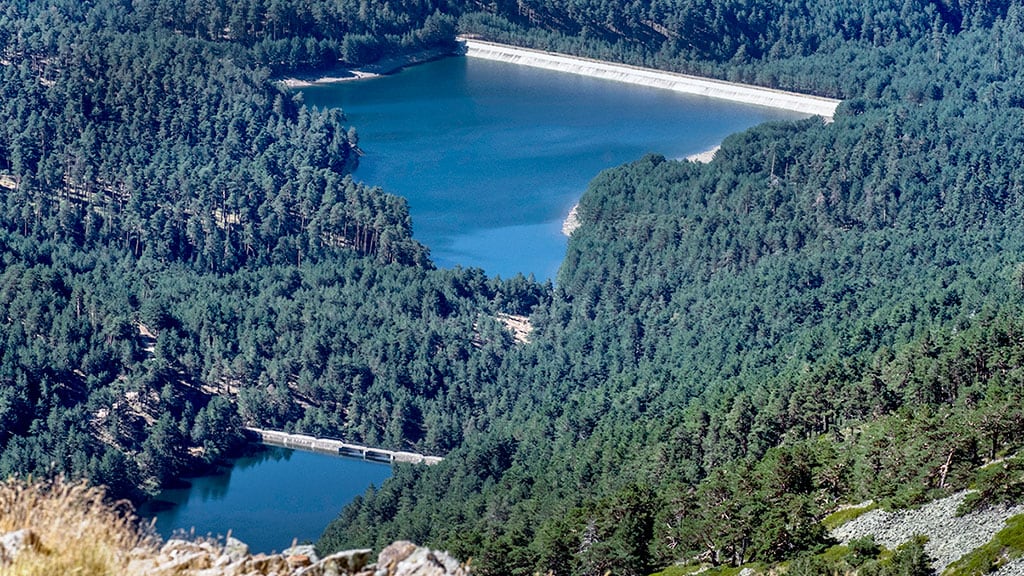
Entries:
{"x":743,"y":93}
{"x":335,"y":447}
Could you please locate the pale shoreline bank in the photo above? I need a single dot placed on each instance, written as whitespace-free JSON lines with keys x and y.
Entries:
{"x":572,"y":219}
{"x":705,"y":156}
{"x":344,"y":73}
{"x":682,"y":83}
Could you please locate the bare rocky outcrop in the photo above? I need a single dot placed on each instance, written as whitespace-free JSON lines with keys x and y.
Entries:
{"x":189,"y":558}
{"x":14,"y":543}
{"x":949,"y":536}
{"x":56,"y":527}
{"x":205,"y":558}
{"x":519,"y":326}
{"x":572,"y":221}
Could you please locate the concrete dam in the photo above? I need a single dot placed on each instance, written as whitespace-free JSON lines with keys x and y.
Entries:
{"x":743,"y":93}
{"x":335,"y":447}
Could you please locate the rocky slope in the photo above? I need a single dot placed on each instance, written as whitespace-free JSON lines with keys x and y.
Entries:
{"x":949,"y":536}
{"x":20,"y":549}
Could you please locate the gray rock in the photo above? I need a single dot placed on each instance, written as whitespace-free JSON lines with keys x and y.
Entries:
{"x":339,"y":563}
{"x":1013,"y":568}
{"x":264,"y":564}
{"x":949,"y":536}
{"x":407,"y":559}
{"x":235,"y":548}
{"x":394,"y":554}
{"x":189,"y":562}
{"x":206,"y":558}
{"x":307,"y":551}
{"x":14,"y":543}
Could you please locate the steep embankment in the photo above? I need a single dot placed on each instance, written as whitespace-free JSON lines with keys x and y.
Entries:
{"x":683,"y":83}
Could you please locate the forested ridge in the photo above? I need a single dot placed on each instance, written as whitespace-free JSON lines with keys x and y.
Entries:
{"x":185,"y":250}
{"x":823,"y":314}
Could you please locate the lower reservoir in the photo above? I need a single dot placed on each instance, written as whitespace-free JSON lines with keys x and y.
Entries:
{"x":268,"y":499}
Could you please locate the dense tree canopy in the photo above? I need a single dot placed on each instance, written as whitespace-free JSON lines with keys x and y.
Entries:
{"x":185,"y":250}
{"x":826,"y":312}
{"x":811,"y":279}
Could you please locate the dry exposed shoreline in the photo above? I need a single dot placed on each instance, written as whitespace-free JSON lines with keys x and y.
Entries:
{"x":744,"y":93}
{"x":683,"y":83}
{"x":345,"y":73}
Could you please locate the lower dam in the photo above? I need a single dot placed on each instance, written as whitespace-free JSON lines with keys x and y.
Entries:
{"x":335,"y":447}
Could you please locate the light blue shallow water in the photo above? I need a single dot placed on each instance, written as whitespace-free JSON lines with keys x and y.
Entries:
{"x":492,"y":156}
{"x":267,"y":500}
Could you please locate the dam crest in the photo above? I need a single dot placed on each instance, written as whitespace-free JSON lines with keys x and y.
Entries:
{"x":683,"y":83}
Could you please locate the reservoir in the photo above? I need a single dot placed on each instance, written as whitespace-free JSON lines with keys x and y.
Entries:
{"x":492,"y":156}
{"x":268,"y":499}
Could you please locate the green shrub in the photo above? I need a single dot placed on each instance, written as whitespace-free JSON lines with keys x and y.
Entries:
{"x":1001,"y":483}
{"x":862,"y":550}
{"x":840,"y":517}
{"x":909,"y":559}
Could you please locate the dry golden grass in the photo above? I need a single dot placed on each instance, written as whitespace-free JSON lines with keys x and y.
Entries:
{"x":79,"y":532}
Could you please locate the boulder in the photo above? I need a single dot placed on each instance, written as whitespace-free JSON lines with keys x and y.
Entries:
{"x":206,"y":558}
{"x":14,"y":543}
{"x":301,"y":555}
{"x":340,"y":563}
{"x":395,"y":553}
{"x":406,"y":559}
{"x":235,"y":548}
{"x":264,"y":564}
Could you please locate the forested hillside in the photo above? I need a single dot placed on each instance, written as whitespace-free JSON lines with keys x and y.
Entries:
{"x":823,"y":314}
{"x":833,"y":48}
{"x":859,"y":279}
{"x":184,"y":250}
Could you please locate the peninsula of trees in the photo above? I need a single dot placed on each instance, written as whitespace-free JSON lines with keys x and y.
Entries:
{"x":822,"y":315}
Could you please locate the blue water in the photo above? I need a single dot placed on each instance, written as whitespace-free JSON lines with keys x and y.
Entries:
{"x":267,"y":500}
{"x":492,"y":156}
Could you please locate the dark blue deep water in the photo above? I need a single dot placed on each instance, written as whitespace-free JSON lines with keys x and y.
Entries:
{"x":492,"y":156}
{"x":267,"y":500}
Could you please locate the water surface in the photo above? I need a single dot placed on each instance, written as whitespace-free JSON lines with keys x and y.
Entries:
{"x":268,"y":499}
{"x":492,"y":156}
